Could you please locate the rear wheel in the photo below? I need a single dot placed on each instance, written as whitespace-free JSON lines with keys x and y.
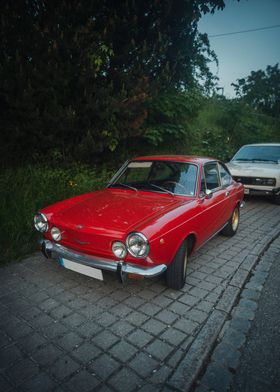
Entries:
{"x":177,"y":270}
{"x":231,"y":227}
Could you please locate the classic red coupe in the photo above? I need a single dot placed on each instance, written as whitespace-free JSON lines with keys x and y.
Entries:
{"x":153,"y":214}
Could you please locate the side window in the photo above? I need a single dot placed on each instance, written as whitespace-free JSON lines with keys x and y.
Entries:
{"x":211,"y":176}
{"x":225,"y":175}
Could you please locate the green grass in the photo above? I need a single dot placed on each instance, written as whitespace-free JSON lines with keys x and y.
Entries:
{"x":23,"y":191}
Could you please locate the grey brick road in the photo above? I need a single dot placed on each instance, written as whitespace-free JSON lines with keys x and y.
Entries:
{"x":63,"y":331}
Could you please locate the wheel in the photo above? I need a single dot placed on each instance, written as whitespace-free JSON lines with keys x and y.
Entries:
{"x":231,"y":228}
{"x":177,"y":270}
{"x":276,"y":199}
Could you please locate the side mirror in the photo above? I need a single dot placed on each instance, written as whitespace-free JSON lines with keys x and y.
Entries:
{"x":206,"y":195}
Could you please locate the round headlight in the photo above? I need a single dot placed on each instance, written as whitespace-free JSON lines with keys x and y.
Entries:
{"x":119,"y":249}
{"x":41,"y":222}
{"x":137,"y":245}
{"x":56,"y":233}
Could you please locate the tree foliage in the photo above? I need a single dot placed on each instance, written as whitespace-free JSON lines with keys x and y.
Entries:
{"x":79,"y":77}
{"x":261,"y":90}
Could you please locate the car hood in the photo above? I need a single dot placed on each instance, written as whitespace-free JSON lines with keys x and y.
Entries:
{"x":253,"y":169}
{"x":115,"y":210}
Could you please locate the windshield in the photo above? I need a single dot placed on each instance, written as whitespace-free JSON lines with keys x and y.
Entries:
{"x":175,"y":178}
{"x":258,"y":153}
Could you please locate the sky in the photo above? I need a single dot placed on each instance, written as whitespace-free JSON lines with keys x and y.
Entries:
{"x":241,"y":53}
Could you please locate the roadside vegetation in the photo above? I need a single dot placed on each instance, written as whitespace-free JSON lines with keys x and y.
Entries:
{"x":84,"y":88}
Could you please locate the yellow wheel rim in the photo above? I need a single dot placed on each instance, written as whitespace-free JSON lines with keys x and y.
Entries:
{"x":235,"y":219}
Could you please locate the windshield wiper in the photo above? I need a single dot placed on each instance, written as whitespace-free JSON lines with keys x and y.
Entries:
{"x":264,"y":160}
{"x":124,"y":185}
{"x":162,"y":189}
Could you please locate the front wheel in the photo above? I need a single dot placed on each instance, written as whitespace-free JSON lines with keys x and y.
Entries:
{"x":231,"y":227}
{"x":177,"y":270}
{"x":276,"y":199}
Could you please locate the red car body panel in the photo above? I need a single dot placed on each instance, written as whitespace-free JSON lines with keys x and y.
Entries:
{"x":90,"y":223}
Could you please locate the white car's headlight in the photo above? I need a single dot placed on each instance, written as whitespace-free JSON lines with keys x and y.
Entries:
{"x":41,"y":222}
{"x":119,"y":249}
{"x":56,"y":233}
{"x":137,"y":245}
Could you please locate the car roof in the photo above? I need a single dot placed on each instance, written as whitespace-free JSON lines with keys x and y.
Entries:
{"x":176,"y":158}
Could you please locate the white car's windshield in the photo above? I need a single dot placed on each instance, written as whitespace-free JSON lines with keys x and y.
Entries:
{"x":258,"y":153}
{"x":175,"y":178}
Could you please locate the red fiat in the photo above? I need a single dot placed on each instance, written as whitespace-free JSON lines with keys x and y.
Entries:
{"x":153,"y":214}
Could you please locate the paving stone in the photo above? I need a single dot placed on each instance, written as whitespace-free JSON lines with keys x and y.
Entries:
{"x":173,"y":336}
{"x":226,"y":356}
{"x":140,"y":338}
{"x":243,"y":313}
{"x":89,"y":329}
{"x":42,"y":382}
{"x":54,"y":330}
{"x":143,"y":364}
{"x":235,"y":338}
{"x":179,"y":308}
{"x":205,"y":306}
{"x":250,"y":294}
{"x":86,"y":352}
{"x":9,"y":355}
{"x":104,"y":366}
{"x":22,"y":371}
{"x":49,"y":304}
{"x":158,"y":349}
{"x":199,"y":293}
{"x":154,"y":327}
{"x":137,"y":318}
{"x":187,"y":326}
{"x":70,"y":341}
{"x":189,"y":299}
{"x":248,"y":304}
{"x":122,"y":328}
{"x":32,"y":342}
{"x":64,"y":367}
{"x":240,"y":324}
{"x":125,"y":380}
{"x":74,"y":320}
{"x":160,"y":376}
{"x":123,"y":351}
{"x":83,"y":381}
{"x":105,"y":339}
{"x":167,"y":317}
{"x":217,"y":378}
{"x":47,"y":355}
{"x":197,"y":315}
{"x":60,"y":312}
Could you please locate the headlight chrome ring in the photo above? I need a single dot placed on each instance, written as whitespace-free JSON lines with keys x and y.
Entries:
{"x":137,"y":245}
{"x":56,"y":233}
{"x":119,"y":249}
{"x":41,"y":222}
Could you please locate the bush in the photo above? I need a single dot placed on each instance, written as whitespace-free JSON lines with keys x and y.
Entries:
{"x":23,"y":191}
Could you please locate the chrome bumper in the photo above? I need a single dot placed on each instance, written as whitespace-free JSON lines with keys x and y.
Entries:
{"x":53,"y":250}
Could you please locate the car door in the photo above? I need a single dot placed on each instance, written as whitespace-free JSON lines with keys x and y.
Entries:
{"x":215,"y":205}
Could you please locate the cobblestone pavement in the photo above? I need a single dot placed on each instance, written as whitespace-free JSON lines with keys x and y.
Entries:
{"x":63,"y":331}
{"x":258,"y":368}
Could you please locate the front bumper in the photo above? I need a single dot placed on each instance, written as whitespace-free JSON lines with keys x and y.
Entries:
{"x":250,"y":190}
{"x":52,"y":250}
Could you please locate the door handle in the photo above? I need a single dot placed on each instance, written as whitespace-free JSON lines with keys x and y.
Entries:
{"x":227,"y":193}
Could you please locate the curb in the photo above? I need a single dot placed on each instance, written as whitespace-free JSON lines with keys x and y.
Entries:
{"x":190,"y":367}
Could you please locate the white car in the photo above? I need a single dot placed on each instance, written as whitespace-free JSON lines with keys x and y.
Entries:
{"x":257,"y":167}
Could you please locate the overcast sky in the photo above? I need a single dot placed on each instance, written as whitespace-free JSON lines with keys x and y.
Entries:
{"x":241,"y":53}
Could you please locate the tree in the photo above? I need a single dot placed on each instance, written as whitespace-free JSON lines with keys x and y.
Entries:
{"x":261,"y":90}
{"x":78,"y":76}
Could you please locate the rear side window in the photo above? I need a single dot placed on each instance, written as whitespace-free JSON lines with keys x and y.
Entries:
{"x":212,"y":176}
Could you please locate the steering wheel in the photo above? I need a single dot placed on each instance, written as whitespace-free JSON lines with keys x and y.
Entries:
{"x":175,"y":184}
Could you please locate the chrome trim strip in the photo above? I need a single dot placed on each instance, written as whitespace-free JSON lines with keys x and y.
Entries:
{"x":53,"y":250}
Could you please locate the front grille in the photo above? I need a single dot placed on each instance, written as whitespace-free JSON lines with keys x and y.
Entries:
{"x":256,"y":180}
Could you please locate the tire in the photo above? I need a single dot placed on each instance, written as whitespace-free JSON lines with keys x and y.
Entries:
{"x":177,"y":270}
{"x":276,"y":199}
{"x":231,"y":227}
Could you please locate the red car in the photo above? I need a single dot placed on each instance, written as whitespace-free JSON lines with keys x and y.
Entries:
{"x":154,"y":213}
